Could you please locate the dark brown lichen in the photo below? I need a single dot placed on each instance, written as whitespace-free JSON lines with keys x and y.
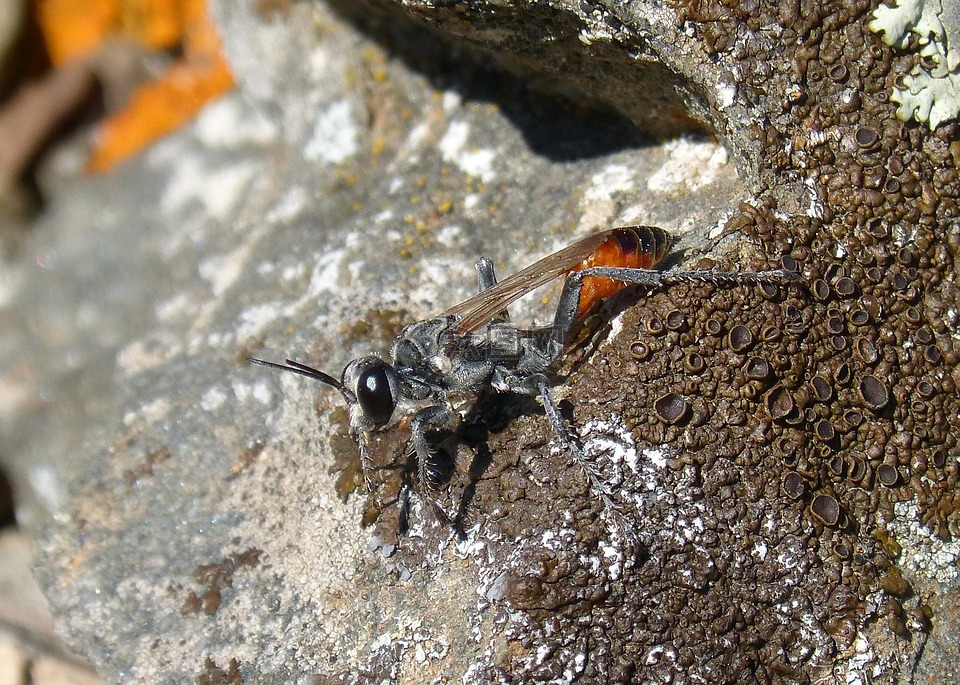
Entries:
{"x":857,"y":384}
{"x":780,"y":403}
{"x":793,"y":485}
{"x":822,"y":388}
{"x":758,"y":369}
{"x":676,"y":321}
{"x":655,"y":326}
{"x":825,"y":430}
{"x":694,"y":363}
{"x":639,"y":350}
{"x":218,"y":577}
{"x":873,"y":393}
{"x":888,"y":475}
{"x":212,"y":674}
{"x":826,"y":509}
{"x":672,"y":408}
{"x":740,"y":339}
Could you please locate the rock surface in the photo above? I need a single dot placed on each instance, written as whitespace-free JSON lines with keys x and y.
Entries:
{"x":200,"y":519}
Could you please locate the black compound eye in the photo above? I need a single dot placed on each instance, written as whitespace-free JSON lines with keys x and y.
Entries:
{"x":374,"y":394}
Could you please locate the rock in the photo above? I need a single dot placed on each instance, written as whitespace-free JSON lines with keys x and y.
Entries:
{"x":200,"y":518}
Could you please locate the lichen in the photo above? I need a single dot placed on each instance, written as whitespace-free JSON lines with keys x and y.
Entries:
{"x":932,"y":92}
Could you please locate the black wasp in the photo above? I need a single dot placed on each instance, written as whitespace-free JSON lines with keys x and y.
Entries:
{"x":439,"y":365}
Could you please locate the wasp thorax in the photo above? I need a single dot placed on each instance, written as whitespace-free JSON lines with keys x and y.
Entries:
{"x":374,"y":385}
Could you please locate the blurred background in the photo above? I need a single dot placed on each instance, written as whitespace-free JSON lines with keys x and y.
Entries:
{"x":84,"y":84}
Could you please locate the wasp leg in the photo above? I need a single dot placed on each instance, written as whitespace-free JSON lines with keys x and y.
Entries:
{"x":731,"y":277}
{"x":487,"y":278}
{"x":429,"y":418}
{"x":566,"y":316}
{"x":563,"y":432}
{"x":366,"y":466}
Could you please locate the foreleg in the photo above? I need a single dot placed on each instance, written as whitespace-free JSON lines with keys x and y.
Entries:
{"x":436,"y":417}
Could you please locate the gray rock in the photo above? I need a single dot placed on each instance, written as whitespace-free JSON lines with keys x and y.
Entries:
{"x":199,"y":517}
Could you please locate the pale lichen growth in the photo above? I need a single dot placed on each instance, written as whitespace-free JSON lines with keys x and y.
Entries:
{"x":932,"y":93}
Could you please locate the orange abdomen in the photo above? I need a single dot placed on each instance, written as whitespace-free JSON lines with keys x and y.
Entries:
{"x":633,"y":247}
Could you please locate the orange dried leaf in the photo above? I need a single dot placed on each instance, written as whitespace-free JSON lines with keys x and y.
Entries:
{"x":159,"y":108}
{"x":75,"y":28}
{"x":157,"y":24}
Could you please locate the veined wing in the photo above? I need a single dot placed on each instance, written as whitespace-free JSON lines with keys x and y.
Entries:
{"x":479,"y":309}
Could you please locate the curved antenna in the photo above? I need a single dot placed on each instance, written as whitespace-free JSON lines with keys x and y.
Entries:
{"x":300,"y":369}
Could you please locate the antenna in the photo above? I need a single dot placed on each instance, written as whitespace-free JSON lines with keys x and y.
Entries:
{"x":300,"y":369}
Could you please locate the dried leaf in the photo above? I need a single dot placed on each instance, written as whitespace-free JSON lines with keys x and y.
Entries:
{"x":158,"y":108}
{"x":76,"y":28}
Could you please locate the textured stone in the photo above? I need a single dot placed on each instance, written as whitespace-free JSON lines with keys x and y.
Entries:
{"x":190,"y":506}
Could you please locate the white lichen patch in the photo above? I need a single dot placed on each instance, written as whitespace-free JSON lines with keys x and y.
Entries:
{"x":147,"y":353}
{"x":148,"y":414}
{"x":924,"y":554}
{"x":472,"y":161}
{"x":612,"y":179}
{"x":691,"y":164}
{"x":47,"y":485}
{"x":416,"y":136}
{"x":325,"y":275}
{"x":814,"y":208}
{"x":610,"y":440}
{"x":717,"y":229}
{"x":221,"y":271}
{"x":932,"y":93}
{"x":725,"y":95}
{"x":334,"y":135}
{"x":454,"y":140}
{"x":289,"y":206}
{"x":450,"y":100}
{"x":862,"y":666}
{"x":226,"y":123}
{"x":213,"y":399}
{"x":216,"y":189}
{"x":259,"y":391}
{"x":477,"y":162}
{"x":655,"y":457}
{"x":256,"y":318}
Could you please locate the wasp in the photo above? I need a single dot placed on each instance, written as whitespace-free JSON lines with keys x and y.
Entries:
{"x":439,"y":366}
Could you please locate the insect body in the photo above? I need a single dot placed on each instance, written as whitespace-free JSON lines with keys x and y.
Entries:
{"x":439,"y":365}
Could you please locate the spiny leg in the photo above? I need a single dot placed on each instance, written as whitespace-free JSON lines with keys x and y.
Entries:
{"x":566,"y":317}
{"x":366,"y":466}
{"x":560,"y":428}
{"x":436,"y":417}
{"x":731,"y":277}
{"x":429,"y":418}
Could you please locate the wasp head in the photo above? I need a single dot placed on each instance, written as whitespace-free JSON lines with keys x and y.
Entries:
{"x":372,"y":383}
{"x":368,"y":384}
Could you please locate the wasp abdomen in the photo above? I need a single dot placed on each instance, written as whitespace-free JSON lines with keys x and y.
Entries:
{"x":630,"y":247}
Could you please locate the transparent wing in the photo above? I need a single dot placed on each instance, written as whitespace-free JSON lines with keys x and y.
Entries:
{"x":479,"y":309}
